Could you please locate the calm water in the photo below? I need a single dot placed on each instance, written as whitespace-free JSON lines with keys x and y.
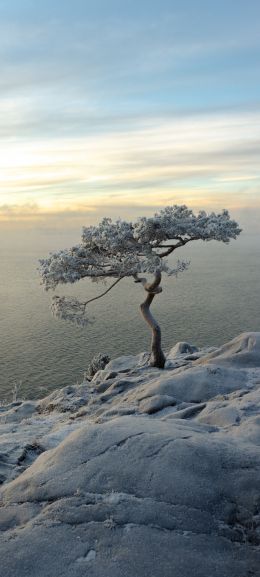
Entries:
{"x":211,"y":303}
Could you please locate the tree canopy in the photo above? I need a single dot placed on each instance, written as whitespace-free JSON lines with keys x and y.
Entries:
{"x":115,"y":250}
{"x":119,"y":249}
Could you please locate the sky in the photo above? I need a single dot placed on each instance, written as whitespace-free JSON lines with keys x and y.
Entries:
{"x":118,"y":108}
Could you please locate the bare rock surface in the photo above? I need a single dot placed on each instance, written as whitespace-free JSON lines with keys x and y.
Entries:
{"x":141,"y":472}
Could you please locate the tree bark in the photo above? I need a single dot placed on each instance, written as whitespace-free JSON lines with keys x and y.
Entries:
{"x":157,"y":358}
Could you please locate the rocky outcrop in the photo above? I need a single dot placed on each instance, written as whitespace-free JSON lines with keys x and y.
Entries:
{"x":141,"y":472}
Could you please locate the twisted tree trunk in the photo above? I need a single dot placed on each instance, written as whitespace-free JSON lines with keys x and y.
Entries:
{"x":157,"y":358}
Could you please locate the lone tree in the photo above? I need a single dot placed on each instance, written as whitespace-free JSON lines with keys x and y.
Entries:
{"x":124,"y":249}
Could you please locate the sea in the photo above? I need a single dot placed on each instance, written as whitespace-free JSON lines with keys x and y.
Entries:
{"x":212,"y":302}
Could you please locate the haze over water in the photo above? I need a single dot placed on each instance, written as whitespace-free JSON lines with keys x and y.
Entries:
{"x":216,"y":299}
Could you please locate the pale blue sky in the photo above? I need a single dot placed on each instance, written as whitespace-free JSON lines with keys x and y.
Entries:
{"x":104,"y":101}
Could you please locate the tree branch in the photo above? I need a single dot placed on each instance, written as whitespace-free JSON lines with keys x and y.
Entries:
{"x":104,"y":293}
{"x":91,"y":274}
{"x":171,"y":248}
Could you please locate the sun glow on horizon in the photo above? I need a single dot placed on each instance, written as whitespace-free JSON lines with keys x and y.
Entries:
{"x":201,"y":161}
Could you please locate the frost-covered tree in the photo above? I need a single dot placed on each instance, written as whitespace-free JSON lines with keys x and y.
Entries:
{"x":116,"y":250}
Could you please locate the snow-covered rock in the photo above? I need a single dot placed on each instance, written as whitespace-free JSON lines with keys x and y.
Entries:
{"x":17,"y":412}
{"x":243,"y":351}
{"x":144,"y":473}
{"x":127,"y":363}
{"x":182,"y":348}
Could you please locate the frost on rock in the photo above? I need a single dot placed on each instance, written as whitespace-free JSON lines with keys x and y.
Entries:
{"x":150,"y":473}
{"x":182,"y":348}
{"x":98,"y":363}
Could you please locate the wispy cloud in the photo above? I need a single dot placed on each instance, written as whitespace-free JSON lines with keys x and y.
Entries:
{"x":200,"y":158}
